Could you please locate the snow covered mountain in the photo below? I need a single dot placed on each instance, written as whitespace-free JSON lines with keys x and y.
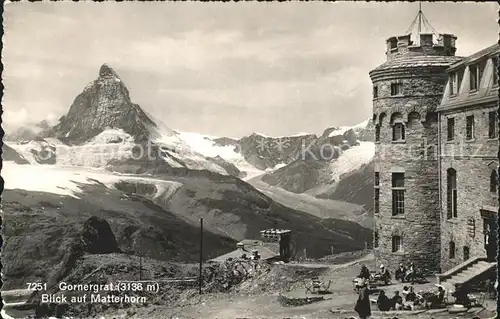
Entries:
{"x":109,"y":158}
{"x":103,"y":103}
{"x":105,"y":129}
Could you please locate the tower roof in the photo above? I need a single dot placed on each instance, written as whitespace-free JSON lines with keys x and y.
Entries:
{"x":418,"y":61}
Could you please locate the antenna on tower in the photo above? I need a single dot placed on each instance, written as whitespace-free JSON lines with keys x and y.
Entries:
{"x":420,"y":21}
{"x":419,"y":14}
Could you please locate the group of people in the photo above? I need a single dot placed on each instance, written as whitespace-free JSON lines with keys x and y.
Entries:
{"x":383,"y":274}
{"x":406,"y":301}
{"x":385,"y":303}
{"x":402,"y":274}
{"x":410,"y":299}
{"x":405,"y":274}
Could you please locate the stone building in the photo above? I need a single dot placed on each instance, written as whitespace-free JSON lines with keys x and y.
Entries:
{"x":407,"y":90}
{"x":469,"y":159}
{"x":436,"y":144}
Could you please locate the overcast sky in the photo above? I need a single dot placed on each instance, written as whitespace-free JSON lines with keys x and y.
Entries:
{"x":225,"y":69}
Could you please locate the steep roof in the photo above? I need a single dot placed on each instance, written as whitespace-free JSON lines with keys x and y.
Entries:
{"x":491,"y":50}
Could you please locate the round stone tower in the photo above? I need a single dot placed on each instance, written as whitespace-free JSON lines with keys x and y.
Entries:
{"x":407,"y":89}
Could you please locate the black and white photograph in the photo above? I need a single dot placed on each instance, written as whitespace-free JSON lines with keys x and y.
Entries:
{"x":222,"y":160}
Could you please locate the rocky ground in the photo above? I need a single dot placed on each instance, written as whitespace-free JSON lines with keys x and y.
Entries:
{"x":239,"y":289}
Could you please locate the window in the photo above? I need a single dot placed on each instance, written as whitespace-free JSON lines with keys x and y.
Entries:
{"x":454,"y":83}
{"x":451,"y":129}
{"x":451,"y":193}
{"x":398,"y":132}
{"x":493,"y":181}
{"x":469,"y":127}
{"x":375,"y":92}
{"x":474,"y":77}
{"x":377,"y":193}
{"x":495,"y":70}
{"x":398,"y":194}
{"x":492,"y":124}
{"x":396,"y":89}
{"x":397,"y":244}
{"x":466,"y":253}
{"x":393,"y":43}
{"x":377,"y":133}
{"x":452,"y":249}
{"x":375,"y":239}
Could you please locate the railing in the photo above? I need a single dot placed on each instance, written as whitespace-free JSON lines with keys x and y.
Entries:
{"x":455,"y":270}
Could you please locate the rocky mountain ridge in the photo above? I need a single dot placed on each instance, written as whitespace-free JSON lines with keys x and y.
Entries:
{"x":104,"y":103}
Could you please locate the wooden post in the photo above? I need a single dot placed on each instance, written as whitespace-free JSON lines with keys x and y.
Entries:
{"x":140,"y":266}
{"x":201,"y":256}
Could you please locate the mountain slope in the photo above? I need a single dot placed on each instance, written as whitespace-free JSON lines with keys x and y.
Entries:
{"x":355,"y":187}
{"x":230,"y":207}
{"x":41,"y":227}
{"x":10,"y":155}
{"x":103,"y":103}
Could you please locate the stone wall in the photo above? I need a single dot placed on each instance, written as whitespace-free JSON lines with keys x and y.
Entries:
{"x":419,"y":227}
{"x":472,"y":161}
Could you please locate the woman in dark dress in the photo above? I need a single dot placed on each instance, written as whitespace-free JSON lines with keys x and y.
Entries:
{"x":365,"y":273}
{"x":363,"y":304}
{"x":383,"y":302}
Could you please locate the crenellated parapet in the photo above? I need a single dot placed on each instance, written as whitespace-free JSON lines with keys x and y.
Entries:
{"x":429,"y":45}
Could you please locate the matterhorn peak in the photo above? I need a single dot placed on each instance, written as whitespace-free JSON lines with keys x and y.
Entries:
{"x":103,"y":103}
{"x":106,"y":71}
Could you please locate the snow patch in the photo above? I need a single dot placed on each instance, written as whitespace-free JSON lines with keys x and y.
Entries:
{"x":352,"y":159}
{"x":276,"y":167}
{"x":301,"y":134}
{"x":112,"y":135}
{"x":341,"y":130}
{"x":204,"y":145}
{"x":362,"y":125}
{"x":64,"y":180}
{"x":287,"y":136}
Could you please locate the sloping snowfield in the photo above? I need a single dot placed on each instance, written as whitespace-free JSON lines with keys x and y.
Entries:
{"x":352,"y":159}
{"x":65,"y":180}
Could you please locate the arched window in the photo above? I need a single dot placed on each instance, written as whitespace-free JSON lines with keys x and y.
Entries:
{"x":451,"y":193}
{"x":413,"y":120}
{"x":466,"y":253}
{"x":397,"y":243}
{"x":452,"y":249}
{"x":381,"y":119}
{"x":398,"y":132}
{"x":493,"y":181}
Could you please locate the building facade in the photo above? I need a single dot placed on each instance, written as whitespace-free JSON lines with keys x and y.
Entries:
{"x":407,"y":90}
{"x":468,"y":148}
